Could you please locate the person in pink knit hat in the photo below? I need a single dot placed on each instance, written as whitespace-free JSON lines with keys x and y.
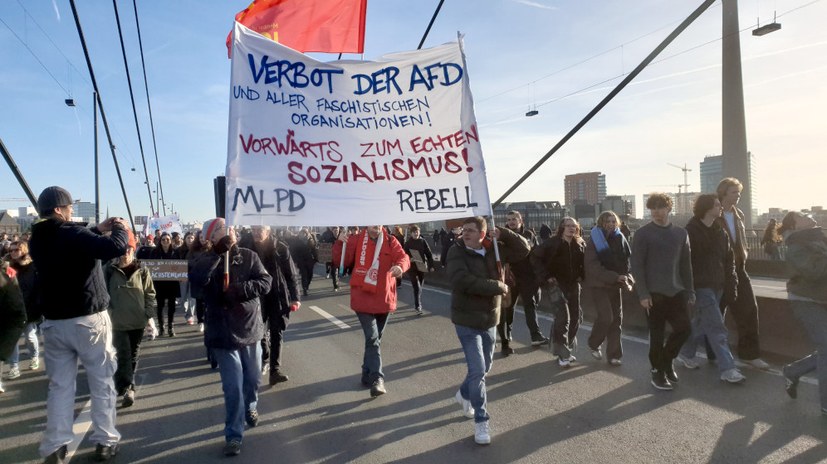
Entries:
{"x":231,"y":281}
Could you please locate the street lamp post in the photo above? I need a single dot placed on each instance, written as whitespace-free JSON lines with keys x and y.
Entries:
{"x":71,"y":103}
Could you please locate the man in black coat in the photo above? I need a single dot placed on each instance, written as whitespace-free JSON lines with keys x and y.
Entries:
{"x":526,"y":287}
{"x":234,"y":324}
{"x":282,"y":299}
{"x":74,"y":299}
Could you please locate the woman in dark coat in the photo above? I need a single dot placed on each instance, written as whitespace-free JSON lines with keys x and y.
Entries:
{"x":806,"y":259}
{"x":166,"y":290}
{"x":422,"y":261}
{"x":607,"y":274}
{"x":22,"y":263}
{"x":12,"y":313}
{"x":303,"y":251}
{"x":559,"y":262}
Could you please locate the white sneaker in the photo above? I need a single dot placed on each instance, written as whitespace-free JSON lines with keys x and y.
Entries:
{"x":597,"y":354}
{"x":615,"y":362}
{"x":467,"y":409}
{"x":201,"y":327}
{"x":35,"y":364}
{"x":563,"y":362}
{"x":758,"y":363}
{"x":482,"y":433}
{"x":688,"y":363}
{"x":733,"y":376}
{"x":13,"y":373}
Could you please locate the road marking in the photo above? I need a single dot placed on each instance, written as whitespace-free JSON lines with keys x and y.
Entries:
{"x":80,"y":428}
{"x":330,"y":317}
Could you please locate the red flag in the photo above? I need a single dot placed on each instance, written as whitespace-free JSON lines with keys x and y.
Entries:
{"x":329,"y":26}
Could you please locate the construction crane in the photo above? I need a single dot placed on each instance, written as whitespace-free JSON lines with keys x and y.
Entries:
{"x":686,"y":171}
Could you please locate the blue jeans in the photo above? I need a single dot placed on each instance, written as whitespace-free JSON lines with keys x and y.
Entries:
{"x":813,"y":317}
{"x":478,"y":346}
{"x":30,"y":335}
{"x":373,"y":325}
{"x":240,"y":377}
{"x":708,"y":321}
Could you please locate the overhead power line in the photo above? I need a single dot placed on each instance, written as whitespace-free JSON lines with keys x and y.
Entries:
{"x":49,"y":38}
{"x":68,"y":94}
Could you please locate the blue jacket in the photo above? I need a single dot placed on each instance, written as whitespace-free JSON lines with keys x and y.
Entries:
{"x":67,"y":257}
{"x":233,"y":316}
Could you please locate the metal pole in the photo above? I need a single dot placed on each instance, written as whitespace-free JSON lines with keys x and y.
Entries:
{"x":428,"y":29}
{"x":686,"y":22}
{"x":103,"y":113}
{"x":97,"y":178}
{"x":16,"y":171}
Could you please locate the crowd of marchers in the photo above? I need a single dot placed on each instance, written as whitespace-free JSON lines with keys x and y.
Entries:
{"x":243,"y":287}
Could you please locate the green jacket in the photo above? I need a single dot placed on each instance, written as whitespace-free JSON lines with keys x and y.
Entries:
{"x":131,"y":298}
{"x":476,"y":291}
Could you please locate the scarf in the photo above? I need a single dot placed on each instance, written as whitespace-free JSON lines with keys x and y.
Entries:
{"x":367,"y":278}
{"x":601,"y":246}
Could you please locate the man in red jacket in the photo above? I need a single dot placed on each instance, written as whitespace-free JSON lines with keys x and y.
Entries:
{"x":377,"y":259}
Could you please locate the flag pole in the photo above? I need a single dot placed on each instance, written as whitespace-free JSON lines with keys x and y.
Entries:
{"x":497,"y":250}
{"x":342,"y":258}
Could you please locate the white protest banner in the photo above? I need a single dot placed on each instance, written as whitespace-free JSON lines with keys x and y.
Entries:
{"x":393,"y":141}
{"x":168,"y":224}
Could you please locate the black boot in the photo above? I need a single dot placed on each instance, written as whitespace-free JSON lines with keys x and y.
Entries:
{"x":171,"y":330}
{"x":506,"y":348}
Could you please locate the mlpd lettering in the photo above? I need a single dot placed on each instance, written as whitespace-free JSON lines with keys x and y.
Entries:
{"x":290,"y":200}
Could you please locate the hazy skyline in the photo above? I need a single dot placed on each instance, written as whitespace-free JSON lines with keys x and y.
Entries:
{"x":558,"y":57}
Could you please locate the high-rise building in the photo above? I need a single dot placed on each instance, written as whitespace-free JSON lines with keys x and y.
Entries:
{"x":86,"y":211}
{"x":712,"y":168}
{"x":534,"y":213}
{"x":589,"y":187}
{"x":623,"y":206}
{"x":631,"y":205}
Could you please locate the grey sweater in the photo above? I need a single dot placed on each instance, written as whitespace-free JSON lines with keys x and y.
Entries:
{"x":661,"y":261}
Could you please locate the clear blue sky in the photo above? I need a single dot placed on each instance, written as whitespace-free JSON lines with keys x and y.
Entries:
{"x":521,"y":54}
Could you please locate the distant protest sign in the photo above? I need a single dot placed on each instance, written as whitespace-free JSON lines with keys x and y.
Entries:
{"x":393,"y":141}
{"x":168,"y":224}
{"x":166,"y":269}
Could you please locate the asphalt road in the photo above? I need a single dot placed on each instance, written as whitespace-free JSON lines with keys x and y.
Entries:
{"x":540,"y":413}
